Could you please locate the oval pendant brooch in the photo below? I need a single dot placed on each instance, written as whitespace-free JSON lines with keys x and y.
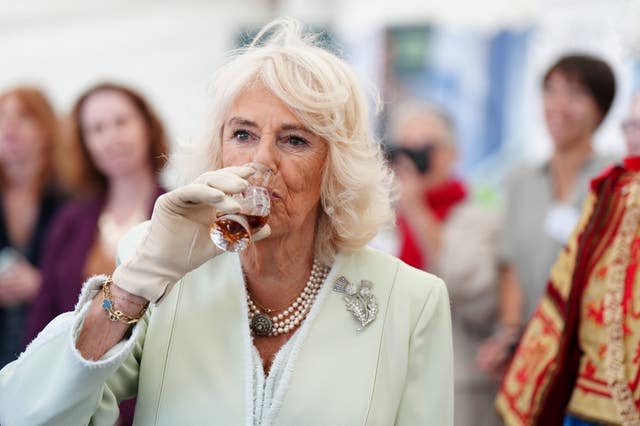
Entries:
{"x":261,"y":325}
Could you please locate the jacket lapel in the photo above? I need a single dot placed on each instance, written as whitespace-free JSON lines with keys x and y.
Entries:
{"x":333,"y":361}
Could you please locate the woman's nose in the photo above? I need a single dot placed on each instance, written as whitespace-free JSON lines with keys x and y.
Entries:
{"x":267,"y":152}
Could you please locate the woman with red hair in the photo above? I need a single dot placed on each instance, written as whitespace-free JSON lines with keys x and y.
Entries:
{"x":28,"y":136}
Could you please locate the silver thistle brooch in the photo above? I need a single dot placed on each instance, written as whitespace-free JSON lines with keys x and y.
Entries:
{"x":359,"y":300}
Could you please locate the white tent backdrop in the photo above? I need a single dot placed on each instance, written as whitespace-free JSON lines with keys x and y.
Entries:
{"x":169,"y":49}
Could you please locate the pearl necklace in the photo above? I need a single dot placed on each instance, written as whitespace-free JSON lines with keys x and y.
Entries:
{"x":263,"y":325}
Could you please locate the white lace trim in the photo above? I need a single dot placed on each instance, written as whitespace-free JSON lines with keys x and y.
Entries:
{"x":265,"y":395}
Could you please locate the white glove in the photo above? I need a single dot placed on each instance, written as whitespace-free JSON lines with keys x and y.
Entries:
{"x":177,"y":240}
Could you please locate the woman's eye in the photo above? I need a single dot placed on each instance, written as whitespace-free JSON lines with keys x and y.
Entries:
{"x":121,"y":121}
{"x":241,"y":135}
{"x":95,"y":129}
{"x":296,"y":141}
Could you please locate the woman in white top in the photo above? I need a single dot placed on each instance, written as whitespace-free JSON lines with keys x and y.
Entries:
{"x":357,"y":337}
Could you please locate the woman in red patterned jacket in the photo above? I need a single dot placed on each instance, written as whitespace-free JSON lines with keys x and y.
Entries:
{"x":578,"y":363}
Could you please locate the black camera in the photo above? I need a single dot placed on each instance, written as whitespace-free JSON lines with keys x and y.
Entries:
{"x":421,"y":157}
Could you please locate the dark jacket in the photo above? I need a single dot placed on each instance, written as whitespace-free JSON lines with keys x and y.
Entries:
{"x":13,"y":318}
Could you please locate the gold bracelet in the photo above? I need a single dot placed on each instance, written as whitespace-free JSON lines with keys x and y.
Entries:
{"x":114,"y":314}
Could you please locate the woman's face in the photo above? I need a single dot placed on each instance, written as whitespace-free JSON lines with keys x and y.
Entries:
{"x":260,"y":127}
{"x":115,"y":134}
{"x":571,"y":113}
{"x":22,"y":139}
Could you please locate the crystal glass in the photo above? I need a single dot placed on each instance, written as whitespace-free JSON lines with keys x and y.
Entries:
{"x":233,"y":232}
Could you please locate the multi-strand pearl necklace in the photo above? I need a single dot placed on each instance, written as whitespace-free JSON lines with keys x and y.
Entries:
{"x":262,"y":324}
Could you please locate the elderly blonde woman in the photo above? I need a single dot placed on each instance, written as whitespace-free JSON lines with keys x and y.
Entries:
{"x":359,"y":337}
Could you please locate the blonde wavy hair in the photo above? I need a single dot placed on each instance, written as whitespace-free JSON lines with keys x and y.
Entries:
{"x":323,"y":93}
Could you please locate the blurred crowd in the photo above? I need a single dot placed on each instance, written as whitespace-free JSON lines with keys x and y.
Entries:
{"x":70,"y":189}
{"x":497,"y":263}
{"x":93,"y":172}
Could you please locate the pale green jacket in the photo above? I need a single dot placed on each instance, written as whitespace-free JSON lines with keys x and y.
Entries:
{"x":189,"y":361}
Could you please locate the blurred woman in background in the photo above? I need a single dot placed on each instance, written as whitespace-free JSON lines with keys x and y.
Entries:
{"x":117,"y":148}
{"x":543,"y":201}
{"x":28,"y":136}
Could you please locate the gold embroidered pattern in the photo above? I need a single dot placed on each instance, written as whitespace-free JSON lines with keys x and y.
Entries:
{"x":614,"y":315}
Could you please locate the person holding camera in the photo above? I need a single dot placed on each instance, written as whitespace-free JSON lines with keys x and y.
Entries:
{"x":441,"y":230}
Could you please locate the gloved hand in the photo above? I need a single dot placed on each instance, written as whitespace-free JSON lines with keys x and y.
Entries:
{"x":177,"y":240}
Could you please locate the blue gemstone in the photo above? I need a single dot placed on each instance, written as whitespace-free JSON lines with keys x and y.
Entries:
{"x":106,"y":304}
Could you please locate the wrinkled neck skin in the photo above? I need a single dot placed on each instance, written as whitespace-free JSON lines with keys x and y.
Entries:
{"x":278,"y":267}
